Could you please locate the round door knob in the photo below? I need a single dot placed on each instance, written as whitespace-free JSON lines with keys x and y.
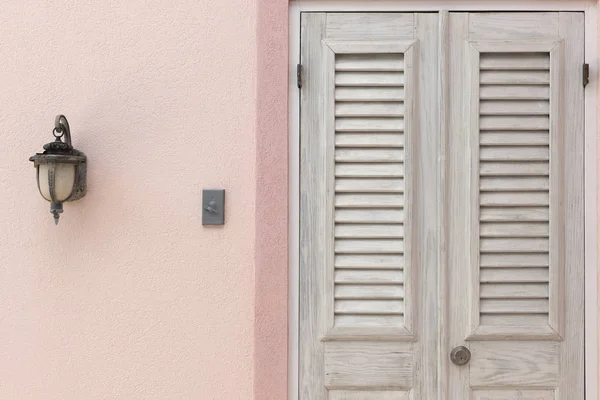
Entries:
{"x":460,"y":355}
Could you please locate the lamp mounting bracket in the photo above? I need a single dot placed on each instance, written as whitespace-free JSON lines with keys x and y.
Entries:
{"x":61,"y":125}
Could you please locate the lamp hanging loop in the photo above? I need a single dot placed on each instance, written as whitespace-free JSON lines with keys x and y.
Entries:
{"x":57,"y":134}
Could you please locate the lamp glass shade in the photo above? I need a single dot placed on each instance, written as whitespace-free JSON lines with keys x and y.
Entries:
{"x":64,"y":179}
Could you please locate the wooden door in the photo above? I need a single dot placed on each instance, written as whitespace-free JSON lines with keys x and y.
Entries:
{"x":368,"y":240}
{"x":515,"y":263}
{"x":441,"y":185}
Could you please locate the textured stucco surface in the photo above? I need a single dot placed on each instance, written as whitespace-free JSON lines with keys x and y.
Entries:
{"x":271,"y":278}
{"x":129,"y":297}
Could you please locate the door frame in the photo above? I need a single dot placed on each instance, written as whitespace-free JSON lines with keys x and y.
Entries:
{"x":590,"y":163}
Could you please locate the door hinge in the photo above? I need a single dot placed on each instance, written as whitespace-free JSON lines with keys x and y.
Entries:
{"x":299,"y":75}
{"x":586,"y":74}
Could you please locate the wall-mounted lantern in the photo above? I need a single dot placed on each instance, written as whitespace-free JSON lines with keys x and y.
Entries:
{"x":61,"y":169}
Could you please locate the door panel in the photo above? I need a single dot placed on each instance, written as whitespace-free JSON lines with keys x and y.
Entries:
{"x":364,"y":331}
{"x":516,"y":188}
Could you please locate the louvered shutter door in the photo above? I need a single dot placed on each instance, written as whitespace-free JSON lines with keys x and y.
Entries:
{"x":434,"y":216}
{"x":516,"y":187}
{"x":358,"y":278}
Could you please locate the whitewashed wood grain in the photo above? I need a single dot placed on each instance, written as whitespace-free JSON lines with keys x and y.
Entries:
{"x":343,"y":185}
{"x":361,"y":200}
{"x":502,"y":153}
{"x":357,"y":170}
{"x":422,"y":316}
{"x":374,"y":328}
{"x":371,"y":395}
{"x":512,"y":291}
{"x":344,"y":117}
{"x":526,"y":213}
{"x":514,"y":184}
{"x":514,"y":229}
{"x":557,"y":211}
{"x":514,"y":245}
{"x":511,"y":61}
{"x":368,"y":46}
{"x":369,"y":62}
{"x":516,"y":364}
{"x":367,"y":365}
{"x":507,"y":107}
{"x":369,"y":109}
{"x":370,"y":26}
{"x":513,"y":26}
{"x":369,"y":94}
{"x":369,"y":79}
{"x":441,"y":376}
{"x":369,"y":307}
{"x":572,"y":309}
{"x":366,"y":261}
{"x":367,"y":328}
{"x":369,"y":246}
{"x":458,"y":208}
{"x":514,"y":327}
{"x":369,"y":292}
{"x":514,"y":138}
{"x":514,"y":275}
{"x":388,"y":231}
{"x":475,"y":121}
{"x":512,"y":260}
{"x":412,"y":72}
{"x":512,"y":130}
{"x":362,"y":139}
{"x":369,"y":125}
{"x":371,"y":276}
{"x":328,"y":240}
{"x":312,"y":222}
{"x":487,"y":394}
{"x":518,"y":122}
{"x":369,"y":216}
{"x":367,"y":155}
{"x":514,"y":168}
{"x":514,"y":77}
{"x":511,"y":199}
{"x":514,"y":92}
{"x":514,"y":306}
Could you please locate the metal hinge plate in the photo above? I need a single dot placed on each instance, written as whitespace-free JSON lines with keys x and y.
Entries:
{"x":586,"y":74}
{"x":299,"y":75}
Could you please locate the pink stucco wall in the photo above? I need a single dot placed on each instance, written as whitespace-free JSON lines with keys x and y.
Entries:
{"x":129,"y":297}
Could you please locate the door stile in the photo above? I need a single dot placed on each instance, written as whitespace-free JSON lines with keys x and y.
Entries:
{"x":444,"y":118}
{"x":457,"y":195}
{"x":427,"y":197}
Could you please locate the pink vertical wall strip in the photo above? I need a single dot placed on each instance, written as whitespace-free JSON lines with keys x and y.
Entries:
{"x":271,"y":257}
